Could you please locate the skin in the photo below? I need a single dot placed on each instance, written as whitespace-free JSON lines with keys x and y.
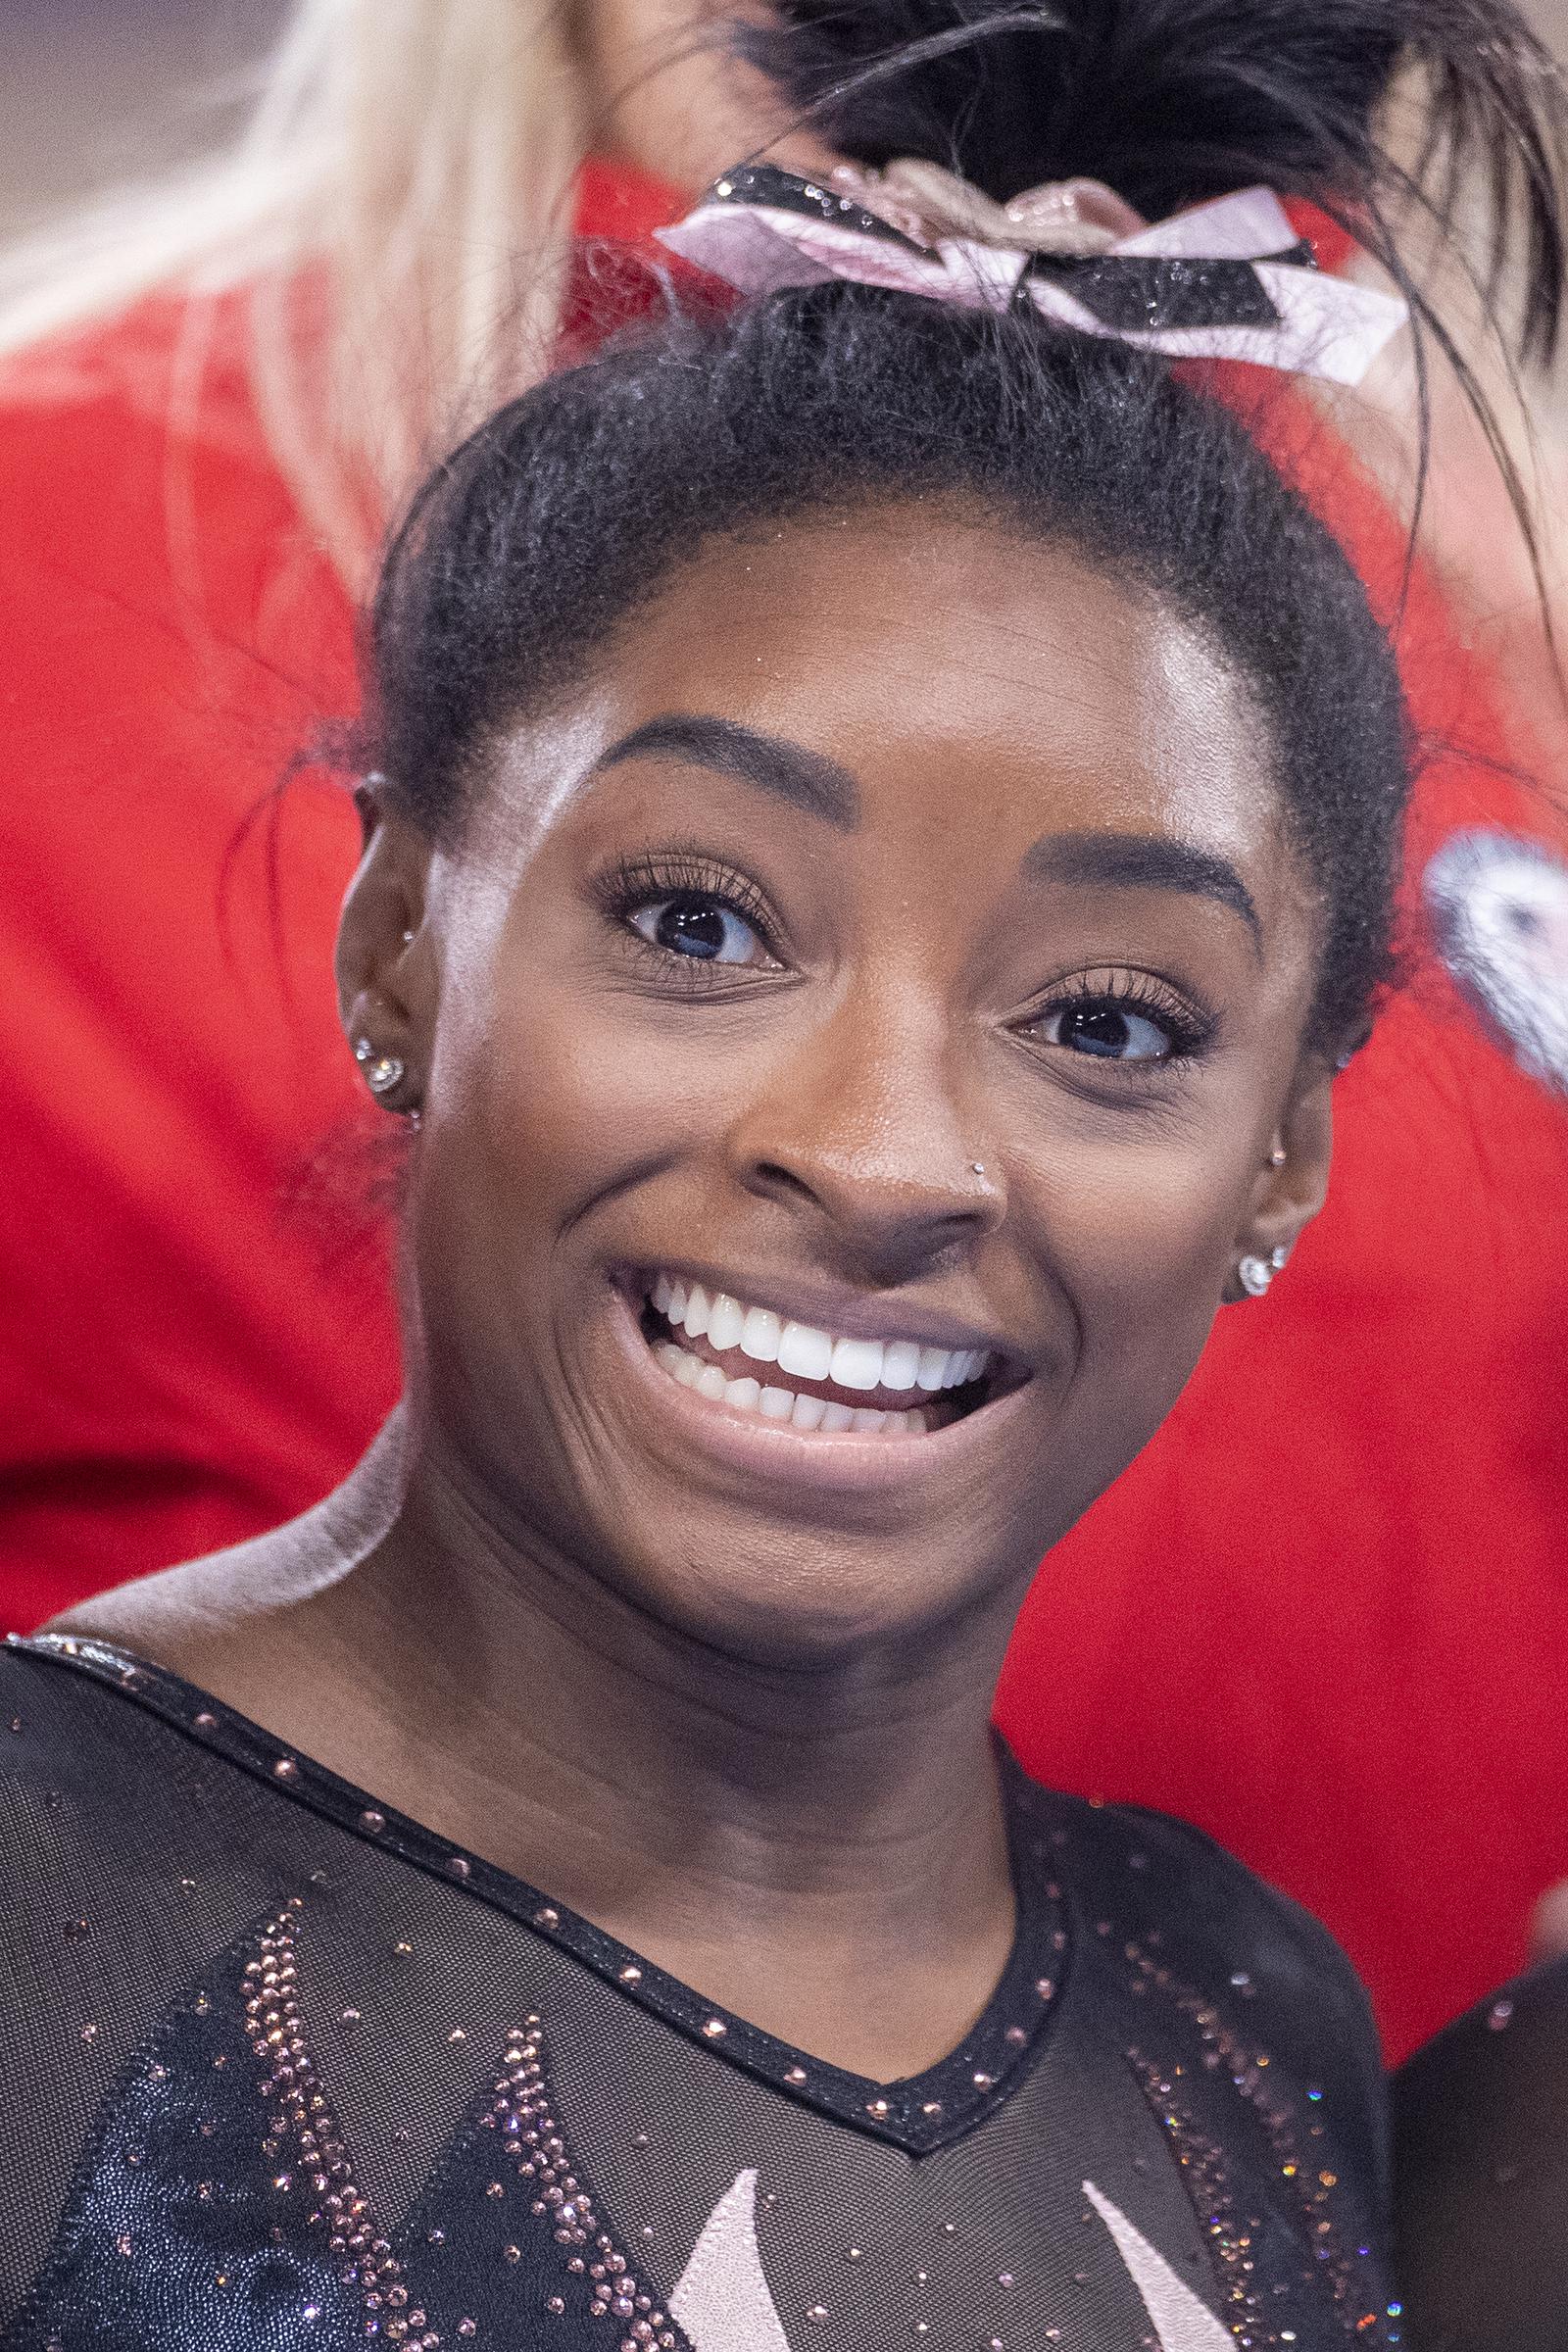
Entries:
{"x":665,"y":93}
{"x":800,"y":1797}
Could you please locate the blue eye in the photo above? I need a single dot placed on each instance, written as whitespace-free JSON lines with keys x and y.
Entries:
{"x":695,"y":925}
{"x":1108,"y":1031}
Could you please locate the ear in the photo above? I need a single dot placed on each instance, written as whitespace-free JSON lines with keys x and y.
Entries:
{"x":1293,"y":1184}
{"x":387,"y":981}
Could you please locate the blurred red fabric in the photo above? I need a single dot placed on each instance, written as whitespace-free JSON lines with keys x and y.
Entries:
{"x":1325,"y":1616}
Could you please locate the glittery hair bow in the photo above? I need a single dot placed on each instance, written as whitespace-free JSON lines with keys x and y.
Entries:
{"x":1227,"y":280}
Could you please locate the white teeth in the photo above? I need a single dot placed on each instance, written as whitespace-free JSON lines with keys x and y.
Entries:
{"x":747,"y":1395}
{"x":726,"y":1319}
{"x":900,"y":1367}
{"x":857,"y":1364}
{"x":759,"y":1335}
{"x":805,"y":1351}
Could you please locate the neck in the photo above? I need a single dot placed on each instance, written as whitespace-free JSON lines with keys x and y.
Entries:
{"x":755,"y":1826}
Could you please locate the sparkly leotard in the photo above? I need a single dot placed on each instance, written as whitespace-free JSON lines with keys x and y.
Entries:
{"x":281,"y":2072}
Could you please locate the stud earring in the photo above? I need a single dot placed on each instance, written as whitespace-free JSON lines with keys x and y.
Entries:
{"x":1278,"y":1157}
{"x":384,"y":1073}
{"x":1256,"y":1274}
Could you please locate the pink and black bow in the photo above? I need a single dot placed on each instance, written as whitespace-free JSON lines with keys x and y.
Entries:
{"x":1229,"y":279}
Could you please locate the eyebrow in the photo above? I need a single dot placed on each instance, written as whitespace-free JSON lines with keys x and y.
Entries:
{"x":809,"y":780}
{"x":1142,"y":862}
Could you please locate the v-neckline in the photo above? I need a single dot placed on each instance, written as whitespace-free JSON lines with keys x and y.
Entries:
{"x":918,"y":2113}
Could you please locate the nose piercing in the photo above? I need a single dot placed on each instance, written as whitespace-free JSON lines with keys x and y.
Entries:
{"x":1278,"y":1157}
{"x":977,"y":1166}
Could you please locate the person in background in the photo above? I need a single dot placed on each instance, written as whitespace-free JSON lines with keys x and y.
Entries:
{"x":207,"y":420}
{"x":1481,"y":2170}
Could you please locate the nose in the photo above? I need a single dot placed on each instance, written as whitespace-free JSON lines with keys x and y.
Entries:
{"x":871,"y":1130}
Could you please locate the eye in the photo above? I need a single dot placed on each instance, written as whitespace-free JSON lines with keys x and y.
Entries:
{"x":1118,"y":1016}
{"x":697,"y":923}
{"x":1109,"y":1031}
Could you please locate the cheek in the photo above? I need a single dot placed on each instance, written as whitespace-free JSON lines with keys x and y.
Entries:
{"x":562,"y":1100}
{"x":1141,"y":1237}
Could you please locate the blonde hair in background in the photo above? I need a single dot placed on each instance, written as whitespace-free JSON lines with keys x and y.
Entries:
{"x":397,"y":205}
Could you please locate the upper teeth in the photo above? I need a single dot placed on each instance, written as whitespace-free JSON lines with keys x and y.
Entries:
{"x":801,"y":1349}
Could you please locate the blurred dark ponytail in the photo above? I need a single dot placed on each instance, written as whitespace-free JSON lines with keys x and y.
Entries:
{"x":1174,"y":101}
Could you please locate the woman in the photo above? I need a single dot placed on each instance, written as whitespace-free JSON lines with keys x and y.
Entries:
{"x":194,"y":1350}
{"x":881,"y":828}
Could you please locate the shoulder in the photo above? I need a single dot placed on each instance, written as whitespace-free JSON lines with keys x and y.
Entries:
{"x":1214,"y":1933}
{"x":128,"y":450}
{"x":71,"y":1733}
{"x":1130,"y":1862}
{"x":133,"y":363}
{"x":220,"y":1624}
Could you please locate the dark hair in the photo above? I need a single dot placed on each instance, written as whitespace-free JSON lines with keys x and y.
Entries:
{"x":524,"y":554}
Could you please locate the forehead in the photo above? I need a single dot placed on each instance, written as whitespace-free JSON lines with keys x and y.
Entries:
{"x":945,"y":661}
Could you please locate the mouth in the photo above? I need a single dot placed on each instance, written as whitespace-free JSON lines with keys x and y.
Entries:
{"x":797,"y":1376}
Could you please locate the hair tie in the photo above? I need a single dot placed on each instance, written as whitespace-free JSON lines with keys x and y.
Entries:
{"x":1228,"y":281}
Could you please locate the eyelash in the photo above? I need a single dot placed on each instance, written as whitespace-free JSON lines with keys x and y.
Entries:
{"x":1190,"y":1029}
{"x":633,"y":883}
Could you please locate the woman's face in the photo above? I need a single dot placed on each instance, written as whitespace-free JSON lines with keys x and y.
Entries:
{"x":853,"y":1038}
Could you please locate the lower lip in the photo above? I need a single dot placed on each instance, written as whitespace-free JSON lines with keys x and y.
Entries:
{"x":839,"y":1460}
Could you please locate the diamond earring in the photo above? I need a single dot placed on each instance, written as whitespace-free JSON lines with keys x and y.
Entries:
{"x":384,"y":1073}
{"x":1256,"y":1274}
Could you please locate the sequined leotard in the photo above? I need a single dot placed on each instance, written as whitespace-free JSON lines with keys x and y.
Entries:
{"x":281,"y":2072}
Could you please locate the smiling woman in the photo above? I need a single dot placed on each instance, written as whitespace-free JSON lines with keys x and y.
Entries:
{"x":879,"y":830}
{"x":740,"y":1006}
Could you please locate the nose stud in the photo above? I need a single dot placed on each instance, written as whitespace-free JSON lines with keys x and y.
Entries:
{"x":977,"y":1166}
{"x":1278,"y":1157}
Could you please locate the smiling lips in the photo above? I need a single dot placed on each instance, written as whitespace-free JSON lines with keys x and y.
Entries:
{"x":895,"y":1387}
